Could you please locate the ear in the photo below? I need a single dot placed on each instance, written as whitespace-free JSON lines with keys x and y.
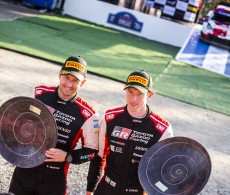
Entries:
{"x":83,"y":82}
{"x":59,"y":75}
{"x":150,"y":94}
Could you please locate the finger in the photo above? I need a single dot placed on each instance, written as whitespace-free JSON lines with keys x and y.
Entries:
{"x":48,"y":155}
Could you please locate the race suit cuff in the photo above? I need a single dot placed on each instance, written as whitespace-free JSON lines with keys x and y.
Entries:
{"x":91,"y":186}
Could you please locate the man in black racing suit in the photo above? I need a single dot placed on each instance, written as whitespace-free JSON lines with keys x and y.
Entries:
{"x":76,"y":120}
{"x":125,"y":135}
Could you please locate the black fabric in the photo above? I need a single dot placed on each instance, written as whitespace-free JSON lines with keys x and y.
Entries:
{"x":95,"y":171}
{"x":37,"y":182}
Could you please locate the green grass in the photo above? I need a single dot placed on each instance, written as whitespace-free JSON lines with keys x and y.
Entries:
{"x":115,"y":54}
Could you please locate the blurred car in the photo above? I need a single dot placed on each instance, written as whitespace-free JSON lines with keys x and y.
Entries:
{"x":216,"y":26}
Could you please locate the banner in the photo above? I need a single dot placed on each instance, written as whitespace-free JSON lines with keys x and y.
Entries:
{"x":184,"y":10}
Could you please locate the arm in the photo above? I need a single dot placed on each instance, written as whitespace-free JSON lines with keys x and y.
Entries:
{"x":89,"y":141}
{"x":97,"y":164}
{"x":167,"y":134}
{"x":89,"y":134}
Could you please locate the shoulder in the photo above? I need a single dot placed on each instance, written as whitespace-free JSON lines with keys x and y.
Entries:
{"x":113,"y":113}
{"x":160,"y":124}
{"x":42,"y":89}
{"x":86,"y":109}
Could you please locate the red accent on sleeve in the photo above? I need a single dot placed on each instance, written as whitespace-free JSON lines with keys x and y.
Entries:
{"x":86,"y":109}
{"x":39,"y":90}
{"x":112,"y":113}
{"x":160,"y":124}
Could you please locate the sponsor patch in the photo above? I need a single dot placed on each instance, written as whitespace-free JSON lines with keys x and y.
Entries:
{"x":86,"y":113}
{"x":96,"y":126}
{"x":96,"y":132}
{"x":121,"y":132}
{"x":160,"y":127}
{"x":38,"y":91}
{"x":109,"y":116}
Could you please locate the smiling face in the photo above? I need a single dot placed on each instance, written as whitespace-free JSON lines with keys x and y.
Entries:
{"x":69,"y":86}
{"x":137,"y":101}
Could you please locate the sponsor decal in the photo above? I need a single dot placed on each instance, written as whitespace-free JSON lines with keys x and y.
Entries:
{"x":61,"y":102}
{"x":52,"y":167}
{"x":138,"y":155}
{"x":138,"y":79}
{"x":160,"y":127}
{"x":86,"y":113}
{"x":131,"y":190}
{"x":135,"y":161}
{"x":121,"y":132}
{"x":109,"y":116}
{"x":65,"y":136}
{"x":63,"y":118}
{"x":137,"y":121}
{"x":61,"y":141}
{"x":38,"y":91}
{"x":140,"y":137}
{"x":126,"y":20}
{"x":86,"y":157}
{"x":140,"y":148}
{"x":96,"y":132}
{"x":110,"y":181}
{"x":76,"y":65}
{"x":107,"y":179}
{"x":96,"y":126}
{"x":116,"y":149}
{"x":118,"y":143}
{"x":63,"y":129}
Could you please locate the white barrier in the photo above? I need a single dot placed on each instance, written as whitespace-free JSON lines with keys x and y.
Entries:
{"x":153,"y":28}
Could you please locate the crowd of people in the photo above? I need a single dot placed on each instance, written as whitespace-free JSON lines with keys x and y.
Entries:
{"x":113,"y":143}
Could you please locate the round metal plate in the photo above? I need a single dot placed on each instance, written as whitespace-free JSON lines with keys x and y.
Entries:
{"x":177,"y":165}
{"x":27,"y":130}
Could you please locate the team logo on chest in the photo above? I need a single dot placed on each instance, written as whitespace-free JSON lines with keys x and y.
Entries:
{"x":121,"y":132}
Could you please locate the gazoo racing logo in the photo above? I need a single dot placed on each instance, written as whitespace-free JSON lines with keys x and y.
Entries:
{"x":121,"y":132}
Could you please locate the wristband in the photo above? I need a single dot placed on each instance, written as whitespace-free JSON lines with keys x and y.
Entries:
{"x":68,"y":158}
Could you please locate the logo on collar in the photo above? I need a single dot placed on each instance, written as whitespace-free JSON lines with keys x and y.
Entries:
{"x":61,"y":102}
{"x":137,"y":121}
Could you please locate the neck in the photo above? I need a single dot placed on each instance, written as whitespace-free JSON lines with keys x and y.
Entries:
{"x":139,"y":113}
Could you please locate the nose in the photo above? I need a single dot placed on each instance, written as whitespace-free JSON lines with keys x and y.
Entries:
{"x":69,"y":83}
{"x":133,"y":97}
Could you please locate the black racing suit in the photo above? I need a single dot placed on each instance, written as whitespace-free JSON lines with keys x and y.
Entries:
{"x":122,"y":142}
{"x":75,"y":120}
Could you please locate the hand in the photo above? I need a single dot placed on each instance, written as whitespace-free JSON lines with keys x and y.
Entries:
{"x":89,"y":193}
{"x":55,"y":155}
